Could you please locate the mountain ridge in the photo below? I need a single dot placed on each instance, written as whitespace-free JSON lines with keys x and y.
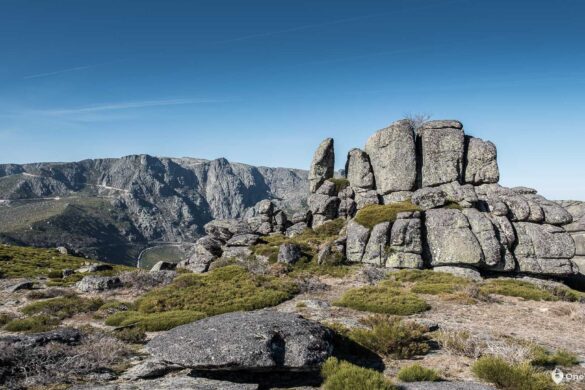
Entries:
{"x":143,"y":199}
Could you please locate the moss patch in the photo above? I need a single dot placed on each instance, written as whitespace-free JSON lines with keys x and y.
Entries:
{"x":372,"y":215}
{"x":517,"y":288}
{"x":154,"y":322}
{"x":340,"y":183}
{"x":430,"y":282}
{"x":223,"y":290}
{"x":64,"y":307}
{"x":384,"y":298}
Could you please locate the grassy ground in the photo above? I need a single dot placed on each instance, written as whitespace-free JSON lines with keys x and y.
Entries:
{"x":27,"y":262}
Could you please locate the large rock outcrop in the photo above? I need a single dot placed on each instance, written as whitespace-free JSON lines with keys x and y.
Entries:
{"x":251,"y":341}
{"x":464,"y":218}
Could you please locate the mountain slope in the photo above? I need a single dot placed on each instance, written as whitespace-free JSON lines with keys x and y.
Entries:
{"x":113,"y":208}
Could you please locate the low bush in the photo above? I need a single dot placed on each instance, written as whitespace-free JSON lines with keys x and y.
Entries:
{"x":304,"y":268}
{"x":131,"y":335}
{"x":390,"y":336}
{"x":383,"y":298}
{"x":517,"y":288}
{"x":341,"y":375}
{"x":35,"y":324}
{"x":220,"y":291}
{"x":542,"y":357}
{"x":418,"y":373}
{"x":508,"y":376}
{"x":63,"y":307}
{"x":372,"y":215}
{"x":154,"y":322}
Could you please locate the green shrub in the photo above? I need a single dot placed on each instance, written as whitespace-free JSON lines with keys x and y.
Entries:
{"x":341,"y":375}
{"x":542,"y":357}
{"x":511,"y":376}
{"x":131,"y":335}
{"x":390,"y":336}
{"x":517,"y":288}
{"x":63,"y":307}
{"x":372,"y":215}
{"x":418,"y":373}
{"x":154,"y":322}
{"x":222,"y":290}
{"x":340,"y":183}
{"x":111,"y":307}
{"x":40,"y":323}
{"x":328,"y":230}
{"x":384,"y":298}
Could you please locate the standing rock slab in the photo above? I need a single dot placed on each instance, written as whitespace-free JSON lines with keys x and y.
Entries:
{"x":486,"y":234}
{"x":450,"y":238}
{"x":322,"y":165}
{"x":442,"y":152}
{"x":359,"y":170}
{"x":393,"y":157}
{"x":375,"y":252}
{"x":406,"y":242}
{"x":253,"y":341}
{"x":481,"y":163}
{"x":357,"y":239}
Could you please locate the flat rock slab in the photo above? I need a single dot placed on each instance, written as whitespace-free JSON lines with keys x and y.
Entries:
{"x":253,"y":341}
{"x":444,"y":386}
{"x":171,"y":383}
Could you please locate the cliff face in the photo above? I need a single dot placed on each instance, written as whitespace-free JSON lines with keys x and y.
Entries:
{"x":112,"y":208}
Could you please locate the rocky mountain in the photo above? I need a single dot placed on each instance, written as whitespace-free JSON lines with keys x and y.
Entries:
{"x":111,"y":209}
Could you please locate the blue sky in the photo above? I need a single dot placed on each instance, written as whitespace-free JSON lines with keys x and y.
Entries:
{"x":263,"y":82}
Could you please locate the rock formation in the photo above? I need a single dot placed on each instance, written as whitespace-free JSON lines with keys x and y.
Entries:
{"x":440,"y":189}
{"x":465,"y":218}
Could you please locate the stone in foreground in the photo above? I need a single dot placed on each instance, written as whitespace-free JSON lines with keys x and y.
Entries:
{"x":254,"y":341}
{"x":98,"y":283}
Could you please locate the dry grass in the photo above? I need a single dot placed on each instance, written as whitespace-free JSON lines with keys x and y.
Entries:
{"x":55,"y":363}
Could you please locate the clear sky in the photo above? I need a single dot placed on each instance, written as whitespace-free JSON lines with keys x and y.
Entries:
{"x":263,"y":82}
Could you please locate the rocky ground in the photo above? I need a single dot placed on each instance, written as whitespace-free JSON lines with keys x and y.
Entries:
{"x":494,"y":325}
